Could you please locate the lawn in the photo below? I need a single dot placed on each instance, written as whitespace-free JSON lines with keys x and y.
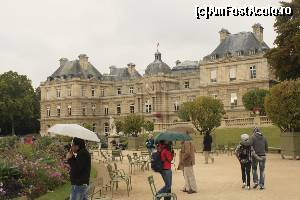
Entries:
{"x":63,"y":191}
{"x":232,"y":135}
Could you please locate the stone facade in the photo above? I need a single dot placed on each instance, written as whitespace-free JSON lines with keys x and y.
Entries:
{"x":78,"y":93}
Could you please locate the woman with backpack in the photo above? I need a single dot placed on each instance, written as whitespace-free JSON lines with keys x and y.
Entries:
{"x":244,"y":152}
{"x":166,"y":158}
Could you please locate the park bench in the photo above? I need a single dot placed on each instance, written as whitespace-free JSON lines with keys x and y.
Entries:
{"x":161,"y":195}
{"x":117,"y":154}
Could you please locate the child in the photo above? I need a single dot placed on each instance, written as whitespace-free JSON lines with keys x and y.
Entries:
{"x":244,"y":152}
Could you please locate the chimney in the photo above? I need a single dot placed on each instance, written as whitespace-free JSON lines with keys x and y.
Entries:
{"x":83,"y":60}
{"x":63,"y":61}
{"x":112,"y":69}
{"x":131,"y":68}
{"x":223,"y":34}
{"x":177,"y":62}
{"x":258,"y":32}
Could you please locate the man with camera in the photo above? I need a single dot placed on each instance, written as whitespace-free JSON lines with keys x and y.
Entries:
{"x":79,"y":160}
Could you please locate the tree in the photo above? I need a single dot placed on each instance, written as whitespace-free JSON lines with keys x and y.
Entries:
{"x":205,"y":113}
{"x":284,"y":58}
{"x":184,"y":111}
{"x":254,"y":100}
{"x":88,"y":126}
{"x":132,"y":124}
{"x":283,"y":105}
{"x":148,"y":126}
{"x":119,"y":126}
{"x":17,"y":101}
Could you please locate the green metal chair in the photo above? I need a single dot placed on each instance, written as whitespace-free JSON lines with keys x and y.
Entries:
{"x":122,"y":173}
{"x":161,"y":195}
{"x":95,"y":187}
{"x":115,"y":178}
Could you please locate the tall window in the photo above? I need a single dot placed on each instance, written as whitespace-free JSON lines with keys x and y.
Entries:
{"x":213,"y":76}
{"x":131,"y":90}
{"x":232,"y":74}
{"x":253,"y":72}
{"x":93,"y":91}
{"x":148,"y":107}
{"x":118,"y":109}
{"x":69,"y":91}
{"x":176,"y":106}
{"x":94,"y":127}
{"x":119,"y":91}
{"x":93,"y":108}
{"x":83,"y":110}
{"x":48,"y":111}
{"x":58,"y":111}
{"x":106,"y":128}
{"x":102,"y":92}
{"x":186,"y":84}
{"x":69,"y":110}
{"x":58,"y":92}
{"x":131,"y":108}
{"x":233,"y":100}
{"x":82,"y":91}
{"x":106,"y":110}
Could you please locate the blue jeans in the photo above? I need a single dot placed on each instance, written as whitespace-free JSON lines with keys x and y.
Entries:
{"x":79,"y":192}
{"x":262,"y":165}
{"x":167,"y":177}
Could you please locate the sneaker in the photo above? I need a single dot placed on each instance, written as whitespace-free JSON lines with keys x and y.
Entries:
{"x":255,"y":185}
{"x":244,"y":185}
{"x":261,"y":187}
{"x":248,"y":187}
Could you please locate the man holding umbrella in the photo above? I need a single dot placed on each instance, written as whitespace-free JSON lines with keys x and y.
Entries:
{"x":79,"y":160}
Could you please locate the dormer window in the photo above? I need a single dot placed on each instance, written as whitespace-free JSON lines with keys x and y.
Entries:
{"x":228,"y":54}
{"x":239,"y":53}
{"x":252,"y":51}
{"x":213,"y":57}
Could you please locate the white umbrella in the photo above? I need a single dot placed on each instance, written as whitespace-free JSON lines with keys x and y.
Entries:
{"x":73,"y":130}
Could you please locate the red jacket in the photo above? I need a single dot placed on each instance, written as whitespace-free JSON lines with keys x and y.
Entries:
{"x":166,"y":157}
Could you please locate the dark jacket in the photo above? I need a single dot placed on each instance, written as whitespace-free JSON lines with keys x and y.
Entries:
{"x":207,"y":141}
{"x":259,"y":144}
{"x":80,"y":168}
{"x":245,"y":152}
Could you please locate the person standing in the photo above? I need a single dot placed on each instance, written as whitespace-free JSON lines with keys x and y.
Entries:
{"x":207,"y":141}
{"x":166,"y":158}
{"x":187,"y":161}
{"x":79,"y":160}
{"x":244,"y":152}
{"x":150,"y":143}
{"x":260,"y":146}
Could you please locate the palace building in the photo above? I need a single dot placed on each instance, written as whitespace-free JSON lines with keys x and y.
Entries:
{"x":78,"y":93}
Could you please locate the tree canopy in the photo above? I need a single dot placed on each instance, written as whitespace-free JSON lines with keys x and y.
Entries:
{"x":132,"y":124}
{"x":148,"y":126}
{"x":284,"y":58}
{"x":283,"y":105}
{"x":254,"y":100}
{"x":204,"y":112}
{"x":19,"y":104}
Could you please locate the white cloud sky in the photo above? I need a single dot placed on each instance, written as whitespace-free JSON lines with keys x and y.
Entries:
{"x":35,"y":34}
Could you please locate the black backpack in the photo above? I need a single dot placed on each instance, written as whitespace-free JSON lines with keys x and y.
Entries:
{"x":156,"y":163}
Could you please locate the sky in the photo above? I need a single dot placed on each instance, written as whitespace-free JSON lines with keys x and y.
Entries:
{"x":35,"y":34}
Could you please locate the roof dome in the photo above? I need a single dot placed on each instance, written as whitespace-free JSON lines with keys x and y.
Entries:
{"x":157,"y":66}
{"x":77,"y":68}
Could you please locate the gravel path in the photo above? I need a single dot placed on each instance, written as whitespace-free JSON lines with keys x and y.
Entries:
{"x":220,"y":181}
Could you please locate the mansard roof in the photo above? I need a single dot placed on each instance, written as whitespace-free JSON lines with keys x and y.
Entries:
{"x":238,"y":44}
{"x":69,"y":69}
{"x":186,"y":66}
{"x":119,"y":74}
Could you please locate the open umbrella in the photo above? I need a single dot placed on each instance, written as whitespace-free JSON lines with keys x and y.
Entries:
{"x":73,"y":130}
{"x":172,"y":136}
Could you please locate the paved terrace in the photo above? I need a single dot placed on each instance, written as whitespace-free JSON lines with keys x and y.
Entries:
{"x":219,"y":181}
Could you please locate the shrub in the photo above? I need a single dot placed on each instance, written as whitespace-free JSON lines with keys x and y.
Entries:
{"x":283,"y":105}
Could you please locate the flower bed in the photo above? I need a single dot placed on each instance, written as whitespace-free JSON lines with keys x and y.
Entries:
{"x":31,"y":169}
